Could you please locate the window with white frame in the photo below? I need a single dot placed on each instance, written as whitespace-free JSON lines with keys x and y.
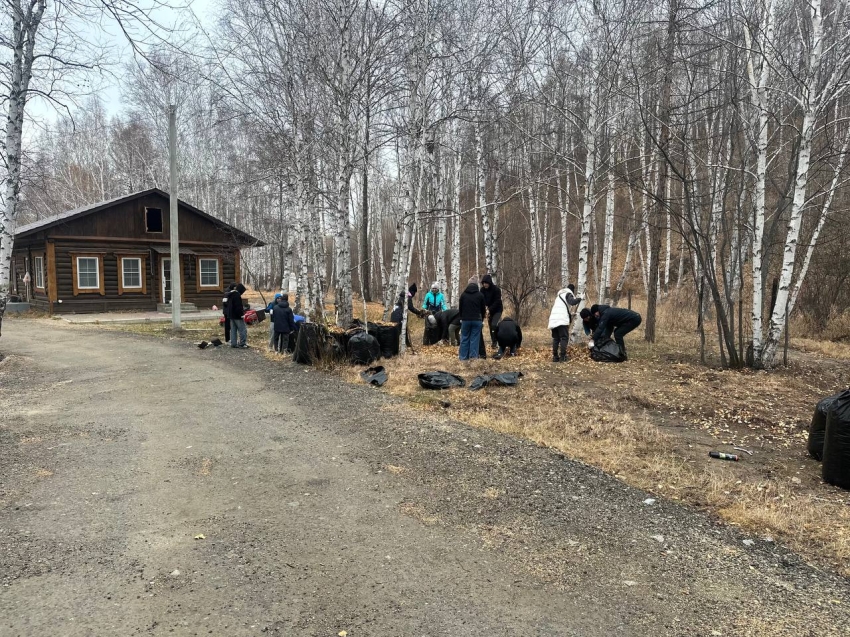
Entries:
{"x":88,"y":273}
{"x":131,"y":273}
{"x":39,"y":272}
{"x":208,"y":272}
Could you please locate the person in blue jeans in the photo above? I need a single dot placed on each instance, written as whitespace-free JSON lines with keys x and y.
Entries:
{"x":236,"y":314}
{"x":471,"y":310}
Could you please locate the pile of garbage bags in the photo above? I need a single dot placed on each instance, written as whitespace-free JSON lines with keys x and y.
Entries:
{"x":829,"y":438}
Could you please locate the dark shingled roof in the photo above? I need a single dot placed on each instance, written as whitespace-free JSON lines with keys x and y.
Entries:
{"x":242,"y":237}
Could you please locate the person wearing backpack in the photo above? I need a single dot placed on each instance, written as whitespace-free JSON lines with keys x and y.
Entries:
{"x":559,"y":322}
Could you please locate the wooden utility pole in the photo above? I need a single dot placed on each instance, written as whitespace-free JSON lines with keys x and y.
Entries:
{"x":176,"y":296}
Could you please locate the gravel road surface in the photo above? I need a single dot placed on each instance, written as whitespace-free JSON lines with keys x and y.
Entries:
{"x":151,"y":488}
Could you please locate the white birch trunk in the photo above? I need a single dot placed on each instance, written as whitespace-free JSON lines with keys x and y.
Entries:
{"x":759,"y":98}
{"x":608,"y":244}
{"x":25,"y":24}
{"x":779,"y":317}
{"x":565,"y":254}
{"x":587,"y":210}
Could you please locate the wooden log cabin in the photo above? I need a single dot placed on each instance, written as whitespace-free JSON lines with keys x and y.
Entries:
{"x":115,"y":255}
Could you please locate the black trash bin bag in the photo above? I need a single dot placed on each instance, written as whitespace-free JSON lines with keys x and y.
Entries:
{"x":440,"y":380}
{"x":387,"y":336}
{"x":310,"y":344}
{"x":375,"y":376}
{"x":818,"y":427}
{"x":363,"y":349}
{"x":607,"y":352}
{"x":505,"y":379}
{"x":836,"y":443}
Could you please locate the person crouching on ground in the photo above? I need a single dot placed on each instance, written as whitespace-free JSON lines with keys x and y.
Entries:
{"x":283,"y":320}
{"x":559,"y":322}
{"x":614,"y":321}
{"x":493,"y":300}
{"x":472,"y":310}
{"x":236,"y":314}
{"x":509,"y":337}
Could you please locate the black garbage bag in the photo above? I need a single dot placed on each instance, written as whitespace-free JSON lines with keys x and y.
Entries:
{"x":440,"y":380}
{"x":818,"y":427}
{"x":387,"y":337}
{"x":607,"y":352}
{"x":363,"y":349}
{"x":310,"y":345}
{"x":836,"y":443}
{"x":505,"y":379}
{"x":375,"y":376}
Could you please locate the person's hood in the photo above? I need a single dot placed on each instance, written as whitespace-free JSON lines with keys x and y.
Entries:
{"x":472,"y":288}
{"x":277,"y":296}
{"x":594,"y":309}
{"x":283,"y":304}
{"x":240,"y":288}
{"x":486,"y":279}
{"x":507,"y":319}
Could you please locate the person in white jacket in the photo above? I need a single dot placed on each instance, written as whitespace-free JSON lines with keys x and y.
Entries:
{"x":559,"y":322}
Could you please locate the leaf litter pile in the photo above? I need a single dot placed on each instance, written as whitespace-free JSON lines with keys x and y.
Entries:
{"x":652,"y":421}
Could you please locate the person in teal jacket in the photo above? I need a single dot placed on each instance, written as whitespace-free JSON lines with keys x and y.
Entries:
{"x":434,"y":300}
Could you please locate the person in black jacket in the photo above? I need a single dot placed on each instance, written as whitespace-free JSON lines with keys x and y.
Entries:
{"x":509,"y":337}
{"x":493,"y":300}
{"x":449,"y":325}
{"x":616,"y":321}
{"x":236,"y":314}
{"x":284,"y":323}
{"x":471,"y":310}
{"x":224,"y":311}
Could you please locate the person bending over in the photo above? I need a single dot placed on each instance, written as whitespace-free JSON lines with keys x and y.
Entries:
{"x":508,"y":336}
{"x":614,"y":321}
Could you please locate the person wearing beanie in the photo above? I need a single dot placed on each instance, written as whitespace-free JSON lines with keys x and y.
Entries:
{"x":473,"y":280}
{"x":559,"y":322}
{"x":434,"y":300}
{"x":472,"y":310}
{"x":493,"y":299}
{"x":613,"y":322}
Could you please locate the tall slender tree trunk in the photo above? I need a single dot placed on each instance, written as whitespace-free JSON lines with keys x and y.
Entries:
{"x":663,"y":168}
{"x":25,"y":24}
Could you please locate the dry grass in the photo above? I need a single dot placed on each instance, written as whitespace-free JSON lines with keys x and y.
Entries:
{"x":650,"y":421}
{"x":643,"y":423}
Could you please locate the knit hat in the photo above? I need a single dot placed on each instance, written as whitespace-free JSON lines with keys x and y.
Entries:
{"x":594,"y":309}
{"x":585,"y":313}
{"x":277,"y":296}
{"x":435,"y":286}
{"x":472,"y":280}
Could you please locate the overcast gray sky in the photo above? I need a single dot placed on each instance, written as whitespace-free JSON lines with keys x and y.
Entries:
{"x":109,"y":88}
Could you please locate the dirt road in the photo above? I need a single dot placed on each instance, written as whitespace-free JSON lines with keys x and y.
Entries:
{"x":326,"y":508}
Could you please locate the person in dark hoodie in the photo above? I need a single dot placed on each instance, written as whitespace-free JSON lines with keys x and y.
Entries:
{"x":509,"y":337}
{"x":613,"y":321}
{"x":284,"y":323}
{"x":493,"y":300}
{"x":236,"y":313}
{"x":472,"y":309}
{"x":224,"y":311}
